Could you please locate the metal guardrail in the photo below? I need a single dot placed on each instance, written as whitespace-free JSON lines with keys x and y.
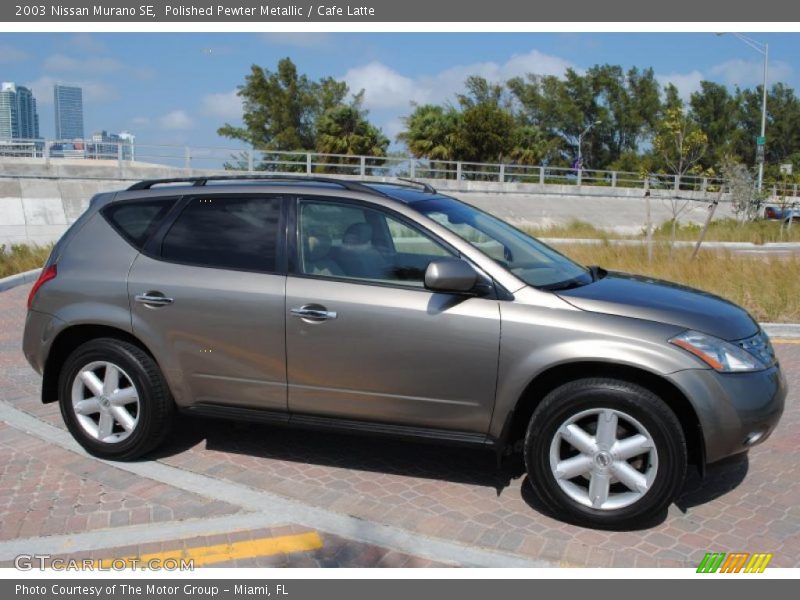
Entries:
{"x":275,"y":161}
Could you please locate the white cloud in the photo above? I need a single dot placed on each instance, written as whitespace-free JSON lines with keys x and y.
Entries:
{"x":10,"y":54}
{"x":61,"y":63}
{"x":296,"y":40}
{"x":225,"y":105}
{"x":141,"y":121}
{"x":747,"y":73}
{"x":687,"y":83}
{"x":93,"y":91}
{"x":176,"y":119}
{"x":86,"y":43}
{"x":387,"y":88}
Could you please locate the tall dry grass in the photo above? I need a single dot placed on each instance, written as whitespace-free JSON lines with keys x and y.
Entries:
{"x":720,"y":230}
{"x":767,"y":286}
{"x":18,"y":258}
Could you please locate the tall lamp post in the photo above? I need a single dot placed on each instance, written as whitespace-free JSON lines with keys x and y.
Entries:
{"x":580,"y":143}
{"x":763,"y":49}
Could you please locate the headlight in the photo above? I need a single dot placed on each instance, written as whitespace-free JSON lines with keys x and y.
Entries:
{"x":718,"y":354}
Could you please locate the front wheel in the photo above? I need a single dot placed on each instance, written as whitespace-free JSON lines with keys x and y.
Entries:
{"x":605,"y":453}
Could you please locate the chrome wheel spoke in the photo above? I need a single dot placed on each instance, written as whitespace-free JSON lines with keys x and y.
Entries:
{"x":124,"y":396}
{"x":630,"y":477}
{"x":599,"y":486}
{"x":579,"y":439}
{"x":111,"y":380}
{"x":606,"y":429}
{"x":572,"y":467}
{"x":123,"y":417}
{"x":631,"y":446}
{"x":92,"y":381}
{"x":90,"y":406}
{"x":105,"y":426}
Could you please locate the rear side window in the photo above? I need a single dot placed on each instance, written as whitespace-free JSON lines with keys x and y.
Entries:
{"x":227,"y":233}
{"x":136,"y":221}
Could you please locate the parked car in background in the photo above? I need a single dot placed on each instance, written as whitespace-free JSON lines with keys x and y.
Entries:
{"x":392,"y":309}
{"x":775,"y":212}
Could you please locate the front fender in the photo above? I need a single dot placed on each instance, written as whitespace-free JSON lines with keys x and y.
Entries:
{"x":536,"y":339}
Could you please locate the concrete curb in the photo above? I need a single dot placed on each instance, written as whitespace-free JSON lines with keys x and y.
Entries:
{"x":782,"y":330}
{"x":774,"y":330}
{"x":12,"y":281}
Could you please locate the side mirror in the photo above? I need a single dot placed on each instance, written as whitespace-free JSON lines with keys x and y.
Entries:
{"x":450,"y":275}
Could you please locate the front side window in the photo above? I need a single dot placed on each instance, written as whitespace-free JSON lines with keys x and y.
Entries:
{"x":355,"y":242}
{"x":232,"y":233}
{"x":532,"y":261}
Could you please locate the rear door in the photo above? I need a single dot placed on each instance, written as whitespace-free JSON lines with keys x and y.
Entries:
{"x":207,"y":297}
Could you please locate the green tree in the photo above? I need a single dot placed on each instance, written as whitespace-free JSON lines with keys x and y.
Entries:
{"x":679,"y":144}
{"x":345,"y":129}
{"x":716,"y":112}
{"x":279,"y":109}
{"x":430,"y":132}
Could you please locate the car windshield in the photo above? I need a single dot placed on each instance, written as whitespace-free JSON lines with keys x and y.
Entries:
{"x":532,"y":261}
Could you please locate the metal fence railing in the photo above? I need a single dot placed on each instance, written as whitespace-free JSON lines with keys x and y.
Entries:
{"x":274,"y":161}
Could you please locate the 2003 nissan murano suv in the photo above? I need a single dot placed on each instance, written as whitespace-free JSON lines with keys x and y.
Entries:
{"x":391,"y":309}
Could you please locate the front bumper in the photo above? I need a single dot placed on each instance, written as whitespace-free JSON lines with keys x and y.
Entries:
{"x":736,"y":410}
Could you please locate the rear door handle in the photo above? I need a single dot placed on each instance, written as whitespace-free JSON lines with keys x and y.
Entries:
{"x":313,"y":313}
{"x":153,"y":299}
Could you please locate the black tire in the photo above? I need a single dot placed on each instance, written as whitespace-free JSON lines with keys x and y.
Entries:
{"x":156,"y":405}
{"x":648,"y":409}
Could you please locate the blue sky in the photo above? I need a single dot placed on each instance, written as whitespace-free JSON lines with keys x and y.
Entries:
{"x":179,"y":88}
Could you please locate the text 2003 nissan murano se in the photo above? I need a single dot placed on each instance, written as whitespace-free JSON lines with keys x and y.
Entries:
{"x":392,"y":309}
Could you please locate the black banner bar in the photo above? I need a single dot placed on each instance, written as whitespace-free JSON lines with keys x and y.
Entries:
{"x":440,"y":11}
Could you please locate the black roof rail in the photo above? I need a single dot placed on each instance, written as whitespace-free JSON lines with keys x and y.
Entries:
{"x":353,"y":186}
{"x":429,"y":189}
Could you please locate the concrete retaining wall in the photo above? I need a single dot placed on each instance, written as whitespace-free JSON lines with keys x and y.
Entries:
{"x":38,"y":200}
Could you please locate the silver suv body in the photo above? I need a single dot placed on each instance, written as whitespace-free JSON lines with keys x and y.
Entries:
{"x":391,"y":309}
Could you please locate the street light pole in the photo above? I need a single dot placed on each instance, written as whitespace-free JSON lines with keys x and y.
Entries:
{"x":761,"y":48}
{"x":763,"y":115}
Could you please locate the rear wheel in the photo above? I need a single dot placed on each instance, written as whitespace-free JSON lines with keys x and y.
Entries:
{"x":605,"y":453}
{"x":114,"y":399}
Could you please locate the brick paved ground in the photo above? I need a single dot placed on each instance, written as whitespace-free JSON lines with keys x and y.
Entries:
{"x":746,"y":504}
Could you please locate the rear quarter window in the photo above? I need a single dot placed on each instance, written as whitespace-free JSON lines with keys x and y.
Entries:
{"x":136,"y":221}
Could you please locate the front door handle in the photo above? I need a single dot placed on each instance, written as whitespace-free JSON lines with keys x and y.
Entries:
{"x":153,"y":299}
{"x":313,"y":312}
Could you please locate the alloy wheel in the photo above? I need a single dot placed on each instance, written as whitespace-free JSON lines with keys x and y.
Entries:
{"x":105,"y":402}
{"x":603,"y":458}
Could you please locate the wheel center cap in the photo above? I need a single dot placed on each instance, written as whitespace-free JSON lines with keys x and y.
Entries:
{"x":104,"y":402}
{"x":603,"y":459}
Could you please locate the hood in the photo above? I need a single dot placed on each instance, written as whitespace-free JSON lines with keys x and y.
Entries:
{"x":655,"y":300}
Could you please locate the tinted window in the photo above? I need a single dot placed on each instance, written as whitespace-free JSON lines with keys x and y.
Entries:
{"x":137,"y":220}
{"x":348,"y":241}
{"x":233,"y":233}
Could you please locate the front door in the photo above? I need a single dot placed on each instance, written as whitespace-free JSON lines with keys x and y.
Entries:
{"x":367,"y":341}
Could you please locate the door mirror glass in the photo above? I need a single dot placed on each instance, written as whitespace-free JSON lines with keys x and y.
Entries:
{"x":451,"y":275}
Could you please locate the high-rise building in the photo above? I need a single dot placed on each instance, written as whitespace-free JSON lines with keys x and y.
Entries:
{"x":68,"y":100}
{"x":18,"y":116}
{"x":111,"y":146}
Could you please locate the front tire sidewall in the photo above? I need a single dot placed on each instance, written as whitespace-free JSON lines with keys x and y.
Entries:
{"x":140,"y":440}
{"x":640,"y":404}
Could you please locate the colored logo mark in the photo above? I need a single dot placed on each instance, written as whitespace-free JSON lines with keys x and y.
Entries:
{"x":735,"y":562}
